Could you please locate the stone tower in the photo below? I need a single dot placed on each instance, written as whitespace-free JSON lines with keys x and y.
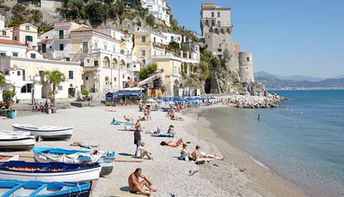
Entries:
{"x":216,"y":27}
{"x":245,"y":67}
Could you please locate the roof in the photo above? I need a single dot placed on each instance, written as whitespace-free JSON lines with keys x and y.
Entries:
{"x":12,"y":42}
{"x":87,"y":29}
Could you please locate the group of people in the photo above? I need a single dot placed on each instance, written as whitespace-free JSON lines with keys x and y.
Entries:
{"x":40,"y":107}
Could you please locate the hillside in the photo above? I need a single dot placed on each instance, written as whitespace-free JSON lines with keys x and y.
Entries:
{"x":273,"y":82}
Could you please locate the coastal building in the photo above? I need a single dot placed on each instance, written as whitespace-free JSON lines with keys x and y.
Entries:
{"x":106,"y":63}
{"x":56,"y":43}
{"x":169,"y":37}
{"x":26,"y":34}
{"x":148,"y":44}
{"x":5,"y":32}
{"x":159,"y":9}
{"x":216,"y":28}
{"x":23,"y":67}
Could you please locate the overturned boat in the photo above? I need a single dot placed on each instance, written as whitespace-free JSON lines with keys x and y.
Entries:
{"x":105,"y":159}
{"x":7,"y":157}
{"x":48,"y":172}
{"x":45,"y":132}
{"x":15,"y":141}
{"x":44,"y":189}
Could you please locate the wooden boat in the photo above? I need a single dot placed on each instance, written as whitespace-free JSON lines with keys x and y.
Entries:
{"x":47,"y":172}
{"x":6,"y":157}
{"x":9,"y":188}
{"x":12,"y":141}
{"x":45,"y":132}
{"x":105,"y":159}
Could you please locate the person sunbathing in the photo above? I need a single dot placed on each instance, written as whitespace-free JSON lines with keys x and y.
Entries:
{"x":172,"y":144}
{"x":144,"y":152}
{"x":128,"y":118}
{"x":184,"y":153}
{"x":137,"y":186}
{"x":199,"y":156}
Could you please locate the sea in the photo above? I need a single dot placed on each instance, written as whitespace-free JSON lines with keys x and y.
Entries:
{"x":302,"y":140}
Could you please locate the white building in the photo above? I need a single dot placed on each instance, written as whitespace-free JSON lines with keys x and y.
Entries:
{"x":5,"y":32}
{"x":169,"y":37}
{"x":56,"y":43}
{"x":108,"y":64}
{"x":159,"y":9}
{"x":23,"y":69}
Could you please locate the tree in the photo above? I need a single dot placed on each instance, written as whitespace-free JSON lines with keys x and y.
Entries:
{"x":173,"y":46}
{"x":147,"y":71}
{"x":2,"y":81}
{"x":150,"y":20}
{"x":53,"y":78}
{"x":96,"y":13}
{"x":74,"y":9}
{"x":36,"y":16}
{"x":19,"y":13}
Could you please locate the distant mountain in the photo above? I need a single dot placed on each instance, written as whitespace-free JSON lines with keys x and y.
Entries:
{"x":275,"y":82}
{"x":292,"y":77}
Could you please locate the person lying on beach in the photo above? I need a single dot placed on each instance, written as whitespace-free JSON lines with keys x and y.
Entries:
{"x":184,"y":153}
{"x":128,"y":118}
{"x":199,"y":156}
{"x":172,"y":144}
{"x":143,"y":152}
{"x":137,"y":186}
{"x":83,"y":145}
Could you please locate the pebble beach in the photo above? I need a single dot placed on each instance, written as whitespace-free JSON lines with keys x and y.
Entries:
{"x":236,"y":175}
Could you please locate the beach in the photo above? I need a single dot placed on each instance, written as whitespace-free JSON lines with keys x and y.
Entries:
{"x":237,"y":175}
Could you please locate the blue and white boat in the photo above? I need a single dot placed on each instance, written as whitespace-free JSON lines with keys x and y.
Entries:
{"x":45,"y":132}
{"x":105,"y":159}
{"x":48,"y":172}
{"x":13,"y":188}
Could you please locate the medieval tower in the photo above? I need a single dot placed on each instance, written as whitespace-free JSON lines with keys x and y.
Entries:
{"x":216,"y":27}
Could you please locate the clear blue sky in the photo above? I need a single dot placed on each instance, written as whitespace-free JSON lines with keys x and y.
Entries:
{"x":304,"y":37}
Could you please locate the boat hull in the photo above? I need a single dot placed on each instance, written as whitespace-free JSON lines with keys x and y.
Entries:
{"x":26,"y":143}
{"x":54,"y":133}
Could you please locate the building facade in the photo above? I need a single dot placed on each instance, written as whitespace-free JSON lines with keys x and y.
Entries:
{"x":216,"y":27}
{"x":159,"y":9}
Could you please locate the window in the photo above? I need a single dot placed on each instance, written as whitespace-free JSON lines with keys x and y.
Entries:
{"x":86,"y":78}
{"x":122,"y":52}
{"x":61,"y":47}
{"x":95,"y":45}
{"x":27,"y":27}
{"x":67,"y":59}
{"x":143,"y":53}
{"x":144,"y":61}
{"x":218,"y":23}
{"x":106,"y":78}
{"x":96,"y":64}
{"x":128,"y":65}
{"x":15,"y":37}
{"x":218,"y":14}
{"x":60,"y":88}
{"x":207,"y":22}
{"x":143,"y":38}
{"x":154,"y":39}
{"x":15,"y":54}
{"x":248,"y":59}
{"x":172,"y":38}
{"x":85,"y":47}
{"x":4,"y":33}
{"x":27,"y":88}
{"x":61,"y":34}
{"x":213,"y":23}
{"x":33,"y":56}
{"x":28,"y":38}
{"x":44,"y":48}
{"x":114,"y":48}
{"x":88,"y":61}
{"x":2,"y":54}
{"x":70,"y":74}
{"x":105,"y":46}
{"x":18,"y":73}
{"x":82,"y":63}
{"x":212,"y":14}
{"x":23,"y":75}
{"x":115,"y":79}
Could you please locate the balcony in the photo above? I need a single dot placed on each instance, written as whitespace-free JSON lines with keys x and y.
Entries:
{"x":158,"y":45}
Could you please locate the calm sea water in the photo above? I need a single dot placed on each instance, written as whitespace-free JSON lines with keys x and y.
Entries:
{"x":303,"y":140}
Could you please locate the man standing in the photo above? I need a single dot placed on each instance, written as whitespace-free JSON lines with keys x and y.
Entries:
{"x":137,"y":186}
{"x":137,"y":139}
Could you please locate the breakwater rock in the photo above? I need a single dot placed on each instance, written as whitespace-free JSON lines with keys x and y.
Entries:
{"x":247,"y":101}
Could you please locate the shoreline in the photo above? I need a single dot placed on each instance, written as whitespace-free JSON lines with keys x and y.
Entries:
{"x":261,"y":178}
{"x":169,"y":175}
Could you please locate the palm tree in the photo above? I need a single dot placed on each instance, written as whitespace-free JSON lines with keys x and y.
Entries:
{"x":53,"y":78}
{"x":2,"y":81}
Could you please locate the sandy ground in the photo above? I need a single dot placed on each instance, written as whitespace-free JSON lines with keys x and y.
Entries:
{"x":235,"y":176}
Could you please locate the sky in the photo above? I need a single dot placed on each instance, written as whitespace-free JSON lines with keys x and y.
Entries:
{"x":287,"y":37}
